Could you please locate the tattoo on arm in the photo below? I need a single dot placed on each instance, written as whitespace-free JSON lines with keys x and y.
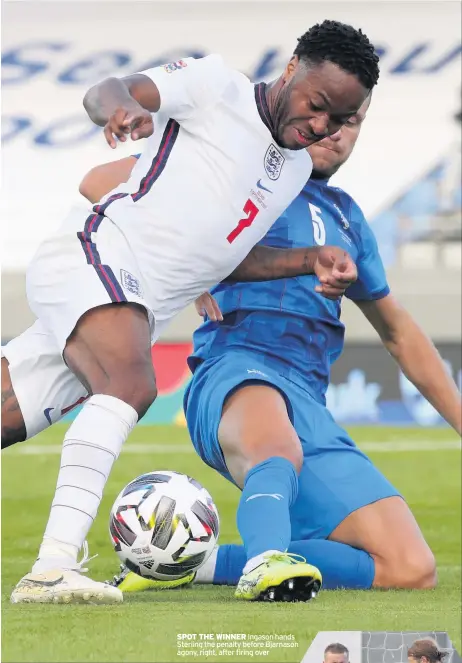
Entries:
{"x":265,"y":263}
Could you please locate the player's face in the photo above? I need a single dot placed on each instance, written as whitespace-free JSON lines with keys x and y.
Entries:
{"x":332,"y":152}
{"x":331,"y":657}
{"x":314,"y":102}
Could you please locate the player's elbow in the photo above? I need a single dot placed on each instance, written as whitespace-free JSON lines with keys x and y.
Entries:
{"x":91,"y":105}
{"x":92,"y":102}
{"x":87,"y":186}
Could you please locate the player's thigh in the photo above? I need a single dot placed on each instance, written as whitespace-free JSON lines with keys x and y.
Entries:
{"x":236,"y":420}
{"x":388,"y":531}
{"x":255,"y":426}
{"x":110,"y":352}
{"x":38,"y":389}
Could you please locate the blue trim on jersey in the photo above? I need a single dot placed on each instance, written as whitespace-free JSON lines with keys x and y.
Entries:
{"x":262,"y":106}
{"x":159,"y":162}
{"x":104,"y":272}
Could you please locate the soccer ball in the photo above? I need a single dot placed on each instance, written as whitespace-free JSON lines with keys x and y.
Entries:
{"x":164,"y":525}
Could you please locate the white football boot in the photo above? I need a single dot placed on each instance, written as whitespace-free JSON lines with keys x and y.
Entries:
{"x":65,"y":586}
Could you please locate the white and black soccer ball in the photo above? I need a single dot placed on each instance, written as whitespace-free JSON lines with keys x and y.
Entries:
{"x":164,"y":525}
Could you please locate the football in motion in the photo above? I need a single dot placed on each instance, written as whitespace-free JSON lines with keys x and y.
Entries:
{"x":164,"y":525}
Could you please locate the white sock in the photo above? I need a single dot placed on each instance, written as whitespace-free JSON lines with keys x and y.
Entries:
{"x":259,"y":559}
{"x":91,"y":445}
{"x":205,"y":574}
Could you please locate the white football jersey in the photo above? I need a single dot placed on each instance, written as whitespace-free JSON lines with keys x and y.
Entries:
{"x":209,"y":184}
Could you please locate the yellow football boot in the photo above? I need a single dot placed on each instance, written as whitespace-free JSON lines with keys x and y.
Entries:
{"x":280,"y":577}
{"x":128,"y":581}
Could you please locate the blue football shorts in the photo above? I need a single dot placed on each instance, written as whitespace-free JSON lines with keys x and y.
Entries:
{"x":336,"y":478}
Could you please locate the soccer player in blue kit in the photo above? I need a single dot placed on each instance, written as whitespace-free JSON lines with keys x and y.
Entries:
{"x":256,"y":409}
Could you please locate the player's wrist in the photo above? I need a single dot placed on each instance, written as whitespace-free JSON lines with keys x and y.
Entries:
{"x":310,"y":259}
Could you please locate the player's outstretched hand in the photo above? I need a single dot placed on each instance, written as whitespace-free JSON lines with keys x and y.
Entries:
{"x":206,"y":304}
{"x":335,"y":270}
{"x":133,"y":120}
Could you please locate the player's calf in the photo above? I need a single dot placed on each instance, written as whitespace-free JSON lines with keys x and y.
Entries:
{"x":13,"y":426}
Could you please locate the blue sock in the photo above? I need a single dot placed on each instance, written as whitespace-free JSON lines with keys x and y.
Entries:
{"x":341,"y":566}
{"x":263,"y":516}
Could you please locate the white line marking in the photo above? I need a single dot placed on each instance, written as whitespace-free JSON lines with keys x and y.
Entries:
{"x":26,"y":449}
{"x":418,"y":445}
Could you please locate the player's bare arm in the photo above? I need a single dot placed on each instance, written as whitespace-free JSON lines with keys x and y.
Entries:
{"x":105,"y":177}
{"x":123,"y":106}
{"x":416,"y":355}
{"x":332,"y":265}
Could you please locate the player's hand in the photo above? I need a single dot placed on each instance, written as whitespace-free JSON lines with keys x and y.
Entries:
{"x":133,"y":120}
{"x":335,"y":270}
{"x":206,"y":304}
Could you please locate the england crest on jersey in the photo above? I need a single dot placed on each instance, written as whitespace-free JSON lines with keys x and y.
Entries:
{"x":274,"y":161}
{"x":170,"y":67}
{"x":130,"y":283}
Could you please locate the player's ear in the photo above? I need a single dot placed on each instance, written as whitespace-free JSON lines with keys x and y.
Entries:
{"x":290,"y":69}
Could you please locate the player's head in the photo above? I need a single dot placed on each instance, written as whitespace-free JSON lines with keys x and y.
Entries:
{"x":425,"y":651}
{"x":332,"y":71}
{"x":330,"y":153}
{"x":336,"y":653}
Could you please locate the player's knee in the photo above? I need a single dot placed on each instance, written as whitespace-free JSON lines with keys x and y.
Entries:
{"x":136,"y":385}
{"x":415,"y":568}
{"x":293,"y":453}
{"x":295,"y":456}
{"x":13,"y":431}
{"x":145,"y":396}
{"x":420,"y":570}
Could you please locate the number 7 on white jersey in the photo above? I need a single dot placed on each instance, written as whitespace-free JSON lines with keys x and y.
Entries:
{"x":319,"y":231}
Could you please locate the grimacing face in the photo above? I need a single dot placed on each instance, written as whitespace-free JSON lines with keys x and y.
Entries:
{"x":331,"y":657}
{"x":332,"y":152}
{"x":314,"y":101}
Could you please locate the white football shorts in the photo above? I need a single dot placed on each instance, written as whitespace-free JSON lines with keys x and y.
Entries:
{"x":44,"y":386}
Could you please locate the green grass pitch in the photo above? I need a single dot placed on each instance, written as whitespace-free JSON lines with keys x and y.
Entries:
{"x":423,"y":464}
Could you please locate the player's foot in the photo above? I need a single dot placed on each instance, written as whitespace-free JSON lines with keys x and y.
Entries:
{"x":61,"y":585}
{"x":280,"y":577}
{"x":128,"y":581}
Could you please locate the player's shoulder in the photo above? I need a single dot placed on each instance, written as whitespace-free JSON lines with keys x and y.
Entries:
{"x":346,"y":205}
{"x":214,"y":64}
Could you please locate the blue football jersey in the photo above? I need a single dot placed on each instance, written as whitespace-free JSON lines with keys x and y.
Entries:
{"x":289,"y":324}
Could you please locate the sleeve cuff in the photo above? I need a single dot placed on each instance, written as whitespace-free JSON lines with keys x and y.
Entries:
{"x":372,"y":296}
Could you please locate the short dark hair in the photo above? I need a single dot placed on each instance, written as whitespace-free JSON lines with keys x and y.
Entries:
{"x":336,"y":648}
{"x":428,"y":648}
{"x":345,"y":46}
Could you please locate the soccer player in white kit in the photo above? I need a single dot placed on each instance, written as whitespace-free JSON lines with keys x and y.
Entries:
{"x":226,"y":158}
